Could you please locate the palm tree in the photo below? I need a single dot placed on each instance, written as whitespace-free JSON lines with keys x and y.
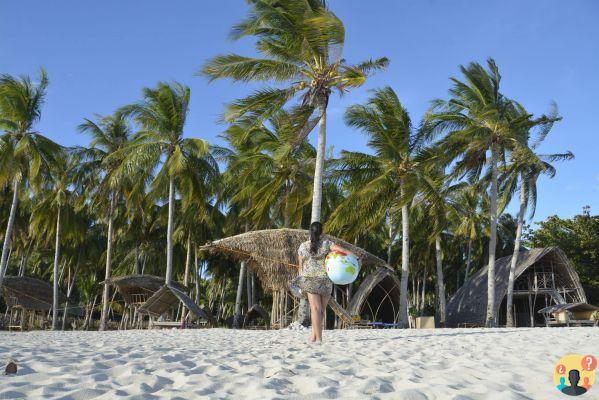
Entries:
{"x":301,"y":42}
{"x":470,"y":204}
{"x":24,"y":152}
{"x":383,"y":183}
{"x":110,"y":135}
{"x":479,"y":119}
{"x":271,"y":171}
{"x":269,"y":175}
{"x":54,"y":215}
{"x":524,"y":168}
{"x":161,"y":115}
{"x":435,"y":192}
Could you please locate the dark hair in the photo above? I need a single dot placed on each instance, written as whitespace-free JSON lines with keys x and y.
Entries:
{"x":315,"y":232}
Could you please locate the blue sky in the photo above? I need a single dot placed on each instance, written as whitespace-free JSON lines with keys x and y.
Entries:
{"x":100,"y":54}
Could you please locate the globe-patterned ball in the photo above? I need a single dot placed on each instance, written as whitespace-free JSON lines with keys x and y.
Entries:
{"x":342,"y":268}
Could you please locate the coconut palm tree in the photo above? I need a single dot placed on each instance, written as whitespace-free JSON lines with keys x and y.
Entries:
{"x":110,"y":134}
{"x":479,"y":119}
{"x":54,"y":215}
{"x":524,"y":170}
{"x":300,"y":43}
{"x":383,"y":183}
{"x":24,"y":152}
{"x":470,"y":203}
{"x":161,"y":115}
{"x":272,"y":173}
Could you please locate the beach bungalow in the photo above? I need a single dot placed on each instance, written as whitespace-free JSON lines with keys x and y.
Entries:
{"x":27,"y":299}
{"x":543,"y":277}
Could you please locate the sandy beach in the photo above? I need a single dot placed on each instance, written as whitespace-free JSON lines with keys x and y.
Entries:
{"x":352,"y":364}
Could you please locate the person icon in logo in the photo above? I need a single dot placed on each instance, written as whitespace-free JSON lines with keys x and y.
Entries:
{"x":574,"y":389}
{"x":586,"y":384}
{"x":562,"y":383}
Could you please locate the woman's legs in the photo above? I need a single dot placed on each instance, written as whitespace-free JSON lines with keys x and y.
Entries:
{"x":315,"y":315}
{"x":324,"y":301}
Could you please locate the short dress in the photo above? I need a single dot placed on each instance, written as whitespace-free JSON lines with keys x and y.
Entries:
{"x":313,"y":276}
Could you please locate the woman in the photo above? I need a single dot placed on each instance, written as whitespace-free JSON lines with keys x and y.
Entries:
{"x":313,"y":279}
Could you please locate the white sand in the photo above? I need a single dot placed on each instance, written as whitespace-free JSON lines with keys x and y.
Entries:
{"x":352,"y":364}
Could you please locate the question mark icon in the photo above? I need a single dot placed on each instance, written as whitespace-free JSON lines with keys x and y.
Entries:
{"x":560,"y":369}
{"x":589,"y":363}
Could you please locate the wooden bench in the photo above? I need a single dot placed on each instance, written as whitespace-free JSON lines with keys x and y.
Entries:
{"x":166,"y":324}
{"x":15,"y":328}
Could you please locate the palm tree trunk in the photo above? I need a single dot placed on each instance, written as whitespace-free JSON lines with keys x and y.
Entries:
{"x":491,"y":320}
{"x":319,"y":166}
{"x":405,"y":262}
{"x":422,"y":301}
{"x":248,"y":284}
{"x":169,"y":230}
{"x":55,"y":274}
{"x":237,"y":317}
{"x":510,"y":285}
{"x":136,"y":266}
{"x":197,"y":276}
{"x":468,"y":260}
{"x":187,"y":268}
{"x":9,"y":228}
{"x":440,"y":282}
{"x":106,"y":292}
{"x":390,"y":245}
{"x":70,"y":285}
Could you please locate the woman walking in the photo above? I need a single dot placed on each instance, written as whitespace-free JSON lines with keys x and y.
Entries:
{"x":313,"y":279}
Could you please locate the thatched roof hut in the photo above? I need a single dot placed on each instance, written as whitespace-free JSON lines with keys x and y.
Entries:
{"x":272,"y":253}
{"x":136,"y":289}
{"x":543,"y":276}
{"x":255,"y":312}
{"x":29,"y":293}
{"x":377,"y":297}
{"x":167,"y":297}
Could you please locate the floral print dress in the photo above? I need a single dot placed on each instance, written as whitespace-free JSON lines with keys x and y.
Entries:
{"x":313,"y":276}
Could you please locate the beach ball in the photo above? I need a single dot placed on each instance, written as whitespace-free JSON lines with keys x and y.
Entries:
{"x":341,"y":268}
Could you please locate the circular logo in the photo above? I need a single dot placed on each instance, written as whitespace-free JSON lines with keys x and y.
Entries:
{"x":574,"y":374}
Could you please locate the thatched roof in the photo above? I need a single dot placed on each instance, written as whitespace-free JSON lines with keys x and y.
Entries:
{"x":469,"y":303}
{"x":253,"y":313}
{"x":129,"y":285}
{"x":29,"y":293}
{"x":568,"y":306}
{"x":167,"y":297}
{"x":272,"y":253}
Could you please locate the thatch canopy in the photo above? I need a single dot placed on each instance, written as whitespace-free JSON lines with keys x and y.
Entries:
{"x":253,"y":313}
{"x":167,"y":297}
{"x":378,"y":295}
{"x":134,"y":287}
{"x":272,"y":253}
{"x":572,"y":307}
{"x":29,"y":293}
{"x":469,"y":303}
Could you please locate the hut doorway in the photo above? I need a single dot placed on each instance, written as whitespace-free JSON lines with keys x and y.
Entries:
{"x":377,"y":299}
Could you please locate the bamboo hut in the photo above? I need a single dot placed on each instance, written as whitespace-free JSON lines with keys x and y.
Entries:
{"x":377,"y":298}
{"x":137,"y":289}
{"x":543,"y":277}
{"x":26,"y":296}
{"x":254,"y":313}
{"x":168,"y":297}
{"x":272,"y":255}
